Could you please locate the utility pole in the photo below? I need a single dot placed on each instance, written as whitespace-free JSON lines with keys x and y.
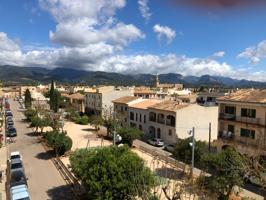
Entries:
{"x":210,"y":130}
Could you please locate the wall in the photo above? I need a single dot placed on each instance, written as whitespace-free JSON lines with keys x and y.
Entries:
{"x":199,"y":117}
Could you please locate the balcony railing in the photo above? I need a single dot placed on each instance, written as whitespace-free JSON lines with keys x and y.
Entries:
{"x":170,"y":123}
{"x":161,"y":121}
{"x":227,"y":116}
{"x":227,"y":135}
{"x":248,"y":120}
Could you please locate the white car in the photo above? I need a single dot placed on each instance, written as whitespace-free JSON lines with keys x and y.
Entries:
{"x":15,"y":155}
{"x":156,"y":142}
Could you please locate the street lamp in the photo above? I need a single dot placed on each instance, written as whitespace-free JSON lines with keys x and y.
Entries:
{"x":192,"y":132}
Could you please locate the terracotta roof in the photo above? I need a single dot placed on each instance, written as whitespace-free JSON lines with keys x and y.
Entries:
{"x":125,"y":99}
{"x":77,"y":96}
{"x":169,"y":105}
{"x":250,"y":96}
{"x":145,"y":103}
{"x":145,"y":91}
{"x":166,"y":85}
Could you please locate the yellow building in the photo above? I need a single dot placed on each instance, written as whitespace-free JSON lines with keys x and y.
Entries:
{"x":242,"y":122}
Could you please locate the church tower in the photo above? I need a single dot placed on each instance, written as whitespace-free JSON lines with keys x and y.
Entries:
{"x":157,"y":81}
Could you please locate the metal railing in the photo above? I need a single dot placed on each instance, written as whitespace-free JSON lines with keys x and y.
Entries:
{"x":248,"y":120}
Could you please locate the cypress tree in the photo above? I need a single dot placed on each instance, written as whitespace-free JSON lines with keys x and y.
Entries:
{"x":27,"y":99}
{"x":54,"y":98}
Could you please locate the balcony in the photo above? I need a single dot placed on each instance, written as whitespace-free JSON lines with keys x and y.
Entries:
{"x":227,"y":135}
{"x":227,"y":116}
{"x":248,"y":120}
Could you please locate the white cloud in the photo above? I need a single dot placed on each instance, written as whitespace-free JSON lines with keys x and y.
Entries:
{"x":219,"y":54}
{"x":85,"y":22}
{"x":144,"y":9}
{"x":164,"y":32}
{"x":10,"y":53}
{"x":254,"y":53}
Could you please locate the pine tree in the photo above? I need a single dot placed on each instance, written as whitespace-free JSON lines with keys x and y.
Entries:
{"x":27,"y":99}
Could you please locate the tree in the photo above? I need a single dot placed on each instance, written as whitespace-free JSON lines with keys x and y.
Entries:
{"x":30,"y":113}
{"x":183,"y":150}
{"x":59,"y":141}
{"x":54,"y":98}
{"x":226,"y":170}
{"x":38,"y":122}
{"x":27,"y":99}
{"x":112,"y":173}
{"x":96,"y":121}
{"x":129,"y":134}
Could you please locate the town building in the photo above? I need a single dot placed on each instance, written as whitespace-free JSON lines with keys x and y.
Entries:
{"x":167,"y":119}
{"x":101,"y":100}
{"x":242,"y":122}
{"x":76,"y":100}
{"x":209,"y":98}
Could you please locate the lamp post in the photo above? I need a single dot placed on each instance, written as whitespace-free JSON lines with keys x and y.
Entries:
{"x":192,"y":132}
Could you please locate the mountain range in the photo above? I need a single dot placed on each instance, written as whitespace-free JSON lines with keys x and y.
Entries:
{"x":34,"y":75}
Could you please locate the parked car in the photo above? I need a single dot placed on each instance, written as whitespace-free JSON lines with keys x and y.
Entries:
{"x":16,"y":165}
{"x":18,"y":178}
{"x":169,"y":147}
{"x":156,"y":142}
{"x":15,"y":155}
{"x":11,"y":132}
{"x":10,"y":123}
{"x":19,"y":192}
{"x":8,"y":113}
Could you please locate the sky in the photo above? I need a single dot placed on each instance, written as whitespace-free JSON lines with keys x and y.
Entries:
{"x":135,"y":36}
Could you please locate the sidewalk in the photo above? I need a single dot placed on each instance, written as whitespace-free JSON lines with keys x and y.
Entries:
{"x":3,"y":166}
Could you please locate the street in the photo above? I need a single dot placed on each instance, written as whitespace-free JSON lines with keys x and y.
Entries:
{"x":44,"y":180}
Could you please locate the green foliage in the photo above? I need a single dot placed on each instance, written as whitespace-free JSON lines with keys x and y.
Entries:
{"x":55,"y":97}
{"x":27,"y":99}
{"x":112,"y":173}
{"x":129,"y":134}
{"x":84,"y":120}
{"x":226,"y":169}
{"x":59,"y":141}
{"x":38,"y":122}
{"x":183,"y":151}
{"x":30,"y":113}
{"x":96,"y":121}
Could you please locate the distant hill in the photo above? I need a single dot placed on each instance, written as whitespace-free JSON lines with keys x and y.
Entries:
{"x":35,"y":75}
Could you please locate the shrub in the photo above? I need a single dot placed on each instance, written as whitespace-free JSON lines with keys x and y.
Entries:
{"x":84,"y":120}
{"x":30,"y":113}
{"x":129,"y":134}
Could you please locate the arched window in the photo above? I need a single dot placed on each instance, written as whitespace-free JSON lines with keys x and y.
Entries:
{"x":152,"y":116}
{"x":170,"y":120}
{"x":160,"y":118}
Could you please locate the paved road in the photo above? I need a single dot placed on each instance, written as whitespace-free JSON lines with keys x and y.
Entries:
{"x":44,"y":180}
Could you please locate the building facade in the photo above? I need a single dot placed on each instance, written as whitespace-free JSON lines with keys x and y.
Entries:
{"x":97,"y":102}
{"x":242,"y":122}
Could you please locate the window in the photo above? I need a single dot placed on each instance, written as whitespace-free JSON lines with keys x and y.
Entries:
{"x":122,"y":109}
{"x":139,"y":117}
{"x":125,"y":108}
{"x":115,"y":106}
{"x":230,"y":110}
{"x":231,"y":128}
{"x":136,"y":116}
{"x":131,"y":116}
{"x":140,"y":127}
{"x":144,"y":118}
{"x":170,"y":132}
{"x":247,"y":133}
{"x":251,"y":113}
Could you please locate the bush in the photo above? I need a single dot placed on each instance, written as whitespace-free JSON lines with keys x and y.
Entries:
{"x":30,"y":113}
{"x":60,"y":142}
{"x":129,"y":134}
{"x":84,"y":120}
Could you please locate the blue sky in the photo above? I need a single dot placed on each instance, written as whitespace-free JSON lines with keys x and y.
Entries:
{"x":140,"y":36}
